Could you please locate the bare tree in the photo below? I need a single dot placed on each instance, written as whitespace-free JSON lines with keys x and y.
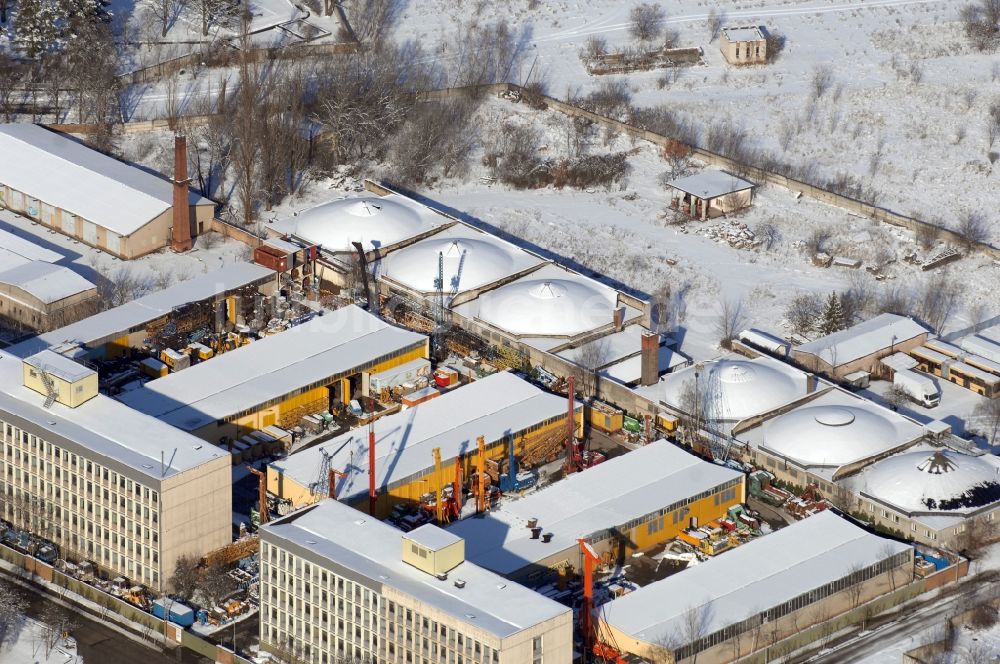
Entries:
{"x":215,"y":583}
{"x":165,"y":14}
{"x":937,"y":300}
{"x":982,"y":23}
{"x":973,"y":228}
{"x":12,"y":610}
{"x":822,"y":79}
{"x":896,"y":397}
{"x":10,"y":76}
{"x":768,"y":234}
{"x":714,"y":23}
{"x":646,"y":22}
{"x":978,"y":652}
{"x":803,"y":313}
{"x":595,"y":47}
{"x":218,"y":13}
{"x":925,"y":235}
{"x":993,"y":123}
{"x":730,"y":321}
{"x":372,"y":19}
{"x":856,"y":589}
{"x":696,"y":621}
{"x":591,"y":358}
{"x":436,"y":142}
{"x":185,"y":577}
{"x":246,"y":148}
{"x":987,"y":415}
{"x":57,"y":623}
{"x":122,"y":285}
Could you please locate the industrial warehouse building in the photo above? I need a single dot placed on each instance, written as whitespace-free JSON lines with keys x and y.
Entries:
{"x":626,"y":504}
{"x":501,"y":408}
{"x":337,"y":585}
{"x":281,"y":378}
{"x":880,"y":466}
{"x":744,"y":45}
{"x":36,"y":294}
{"x":93,"y":198}
{"x":859,"y":348}
{"x":116,"y":331}
{"x":758,"y":594}
{"x":430,"y":270}
{"x":101,"y":481}
{"x":933,"y":495}
{"x":731,"y":389}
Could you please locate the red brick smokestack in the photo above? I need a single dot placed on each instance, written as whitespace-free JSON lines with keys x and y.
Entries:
{"x":181,"y":240}
{"x":650,"y":359}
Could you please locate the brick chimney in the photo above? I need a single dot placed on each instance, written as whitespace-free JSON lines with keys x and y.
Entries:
{"x":650,"y":358}
{"x":181,"y":239}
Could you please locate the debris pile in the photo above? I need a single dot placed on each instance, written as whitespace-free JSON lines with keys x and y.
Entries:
{"x":733,"y":232}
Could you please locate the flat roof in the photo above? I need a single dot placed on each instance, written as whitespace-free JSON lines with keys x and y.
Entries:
{"x":45,"y":281}
{"x":332,"y":531}
{"x":103,"y":429}
{"x":60,"y":171}
{"x":751,"y":578}
{"x":711,"y":183}
{"x":871,"y":336}
{"x":982,"y":346}
{"x":629,"y":370}
{"x":432,"y":537}
{"x":119,"y":321}
{"x":26,"y":249}
{"x":58,"y":365}
{"x":611,"y":348}
{"x":944,"y":347}
{"x":743,"y":33}
{"x":493,"y":407}
{"x":271,"y":368}
{"x":627,"y":487}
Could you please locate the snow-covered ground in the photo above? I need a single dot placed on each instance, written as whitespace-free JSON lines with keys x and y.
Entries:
{"x":905,"y":84}
{"x":27,"y":646}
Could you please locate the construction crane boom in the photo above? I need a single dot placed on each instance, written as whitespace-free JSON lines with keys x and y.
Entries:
{"x":372,"y":496}
{"x":481,"y":483}
{"x":590,"y":557}
{"x":573,"y":460}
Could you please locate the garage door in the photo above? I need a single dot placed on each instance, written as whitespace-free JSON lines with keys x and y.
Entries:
{"x":90,"y":233}
{"x":112,"y":241}
{"x":68,"y":223}
{"x":48,"y":214}
{"x":16,"y":200}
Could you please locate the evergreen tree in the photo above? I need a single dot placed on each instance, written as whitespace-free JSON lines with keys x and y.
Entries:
{"x":833,"y":319}
{"x":36,"y":30}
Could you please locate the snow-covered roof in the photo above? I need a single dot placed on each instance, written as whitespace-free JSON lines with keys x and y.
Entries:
{"x":470,"y":259}
{"x":871,"y":336}
{"x":372,"y":549}
{"x":743,"y":33}
{"x":374,"y":221}
{"x":271,"y":368}
{"x":26,"y":249}
{"x":834,"y":429}
{"x":933,"y":481}
{"x":45,"y":281}
{"x":432,"y":537}
{"x":549,"y":302}
{"x":58,"y":365}
{"x":492,"y":407}
{"x":629,"y":370}
{"x":711,"y":183}
{"x":745,"y":387}
{"x":609,"y":495}
{"x":104,"y":430}
{"x":982,"y":346}
{"x":116,"y":322}
{"x":62,"y":172}
{"x":899,"y":361}
{"x":761,"y":574}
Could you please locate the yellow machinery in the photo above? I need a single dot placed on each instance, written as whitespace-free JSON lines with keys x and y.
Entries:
{"x":231,"y":553}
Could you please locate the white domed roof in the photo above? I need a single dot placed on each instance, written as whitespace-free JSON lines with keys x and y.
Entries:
{"x":482,"y":262}
{"x":941,"y":481}
{"x":548,"y":307}
{"x":747,"y":388}
{"x":373,"y":221}
{"x":830,"y":434}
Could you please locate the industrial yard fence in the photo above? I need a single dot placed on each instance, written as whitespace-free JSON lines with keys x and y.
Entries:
{"x":75,"y":591}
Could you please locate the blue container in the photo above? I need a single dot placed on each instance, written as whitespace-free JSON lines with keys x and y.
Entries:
{"x":178,"y":613}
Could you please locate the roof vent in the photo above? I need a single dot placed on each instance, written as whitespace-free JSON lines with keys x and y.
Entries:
{"x":535,"y":532}
{"x":443,"y":576}
{"x":359,"y":522}
{"x":835,"y":417}
{"x":501,"y":586}
{"x":459,"y":583}
{"x":547,"y":537}
{"x":532,"y":522}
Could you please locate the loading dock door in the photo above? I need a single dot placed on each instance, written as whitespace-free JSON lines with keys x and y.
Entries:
{"x":90,"y":233}
{"x":68,"y":223}
{"x":113,"y":242}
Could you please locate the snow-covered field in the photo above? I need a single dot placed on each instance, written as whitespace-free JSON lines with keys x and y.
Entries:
{"x":906,"y":86}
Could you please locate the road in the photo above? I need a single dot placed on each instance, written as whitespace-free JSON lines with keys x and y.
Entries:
{"x":915,"y":621}
{"x":100,"y":644}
